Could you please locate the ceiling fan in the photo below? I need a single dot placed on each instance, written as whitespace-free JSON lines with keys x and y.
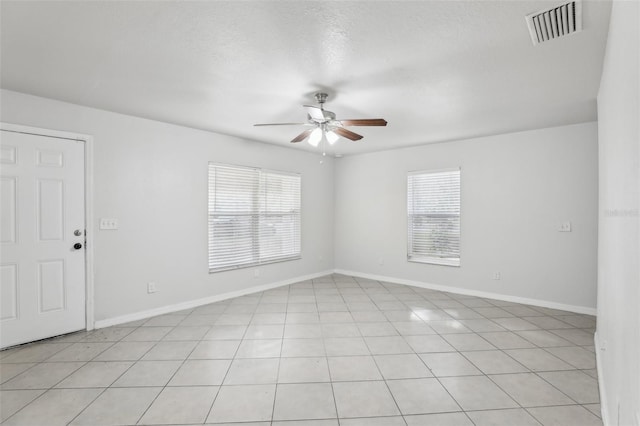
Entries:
{"x":325,"y":124}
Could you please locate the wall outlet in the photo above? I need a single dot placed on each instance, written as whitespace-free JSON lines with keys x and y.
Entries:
{"x":496,"y":276}
{"x":380,"y":261}
{"x":565,"y":227}
{"x":108,"y":223}
{"x":256,"y":273}
{"x":152,"y":287}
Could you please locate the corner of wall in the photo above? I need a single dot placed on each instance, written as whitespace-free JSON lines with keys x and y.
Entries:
{"x":604,"y":406}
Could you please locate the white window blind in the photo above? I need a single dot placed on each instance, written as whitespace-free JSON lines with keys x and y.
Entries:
{"x":254,"y":216}
{"x":433,"y":207}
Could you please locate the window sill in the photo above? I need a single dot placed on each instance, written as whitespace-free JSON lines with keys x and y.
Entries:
{"x":436,"y":261}
{"x":253,"y":265}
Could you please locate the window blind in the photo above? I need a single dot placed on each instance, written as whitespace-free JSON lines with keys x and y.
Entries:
{"x":433,"y":208}
{"x":254,"y":216}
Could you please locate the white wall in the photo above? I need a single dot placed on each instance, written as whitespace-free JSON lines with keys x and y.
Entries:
{"x":618,"y":252}
{"x":152,"y":177}
{"x":516,"y":190}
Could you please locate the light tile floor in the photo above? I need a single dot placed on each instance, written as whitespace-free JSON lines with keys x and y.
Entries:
{"x":336,"y":350}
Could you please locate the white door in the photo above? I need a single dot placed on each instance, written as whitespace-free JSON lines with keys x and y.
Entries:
{"x":42,"y":291}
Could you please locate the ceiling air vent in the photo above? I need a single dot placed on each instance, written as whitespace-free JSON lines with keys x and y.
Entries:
{"x":555,"y":22}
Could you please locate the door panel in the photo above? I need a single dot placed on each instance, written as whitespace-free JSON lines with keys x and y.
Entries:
{"x":51,"y":286}
{"x":43,"y":276}
{"x":50,"y":210}
{"x":8,"y":291}
{"x":8,"y":210}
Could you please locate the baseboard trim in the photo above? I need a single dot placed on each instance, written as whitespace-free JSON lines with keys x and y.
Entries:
{"x":604,"y":409}
{"x":255,"y":289}
{"x":467,"y":292}
{"x":203,"y":301}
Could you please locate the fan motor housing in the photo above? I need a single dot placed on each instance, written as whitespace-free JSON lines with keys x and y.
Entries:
{"x":321,"y":97}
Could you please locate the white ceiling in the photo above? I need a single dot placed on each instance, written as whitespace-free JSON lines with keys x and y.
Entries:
{"x":435,"y":70}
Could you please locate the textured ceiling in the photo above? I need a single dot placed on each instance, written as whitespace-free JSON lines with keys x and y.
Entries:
{"x":435,"y":70}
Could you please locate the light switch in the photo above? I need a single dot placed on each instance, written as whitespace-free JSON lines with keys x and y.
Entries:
{"x":565,"y":227}
{"x":108,"y":223}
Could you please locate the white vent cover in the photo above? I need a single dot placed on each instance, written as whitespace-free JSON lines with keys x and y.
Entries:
{"x":557,"y":21}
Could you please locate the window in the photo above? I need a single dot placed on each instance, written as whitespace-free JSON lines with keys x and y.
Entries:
{"x":254,"y":217}
{"x":433,"y":209}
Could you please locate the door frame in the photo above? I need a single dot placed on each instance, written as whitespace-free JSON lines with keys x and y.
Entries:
{"x":88,"y":203}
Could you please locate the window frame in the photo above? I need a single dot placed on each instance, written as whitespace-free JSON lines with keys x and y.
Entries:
{"x":433,"y":260}
{"x":256,"y":214}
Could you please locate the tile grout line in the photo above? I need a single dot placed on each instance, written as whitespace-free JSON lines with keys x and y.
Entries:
{"x":231,"y":361}
{"x":54,"y":388}
{"x":444,"y":387}
{"x":115,"y":380}
{"x":275,"y":392}
{"x":434,"y":376}
{"x":168,"y":381}
{"x":483,"y":374}
{"x":375,"y":362}
{"x":57,"y":383}
{"x":324,"y":347}
{"x":141,"y":360}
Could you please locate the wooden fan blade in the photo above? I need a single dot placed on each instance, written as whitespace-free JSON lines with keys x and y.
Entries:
{"x":302,"y":136}
{"x":281,"y":124}
{"x":347,"y":134}
{"x":365,"y":122}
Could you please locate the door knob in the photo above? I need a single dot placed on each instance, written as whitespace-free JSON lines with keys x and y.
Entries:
{"x":77,"y":246}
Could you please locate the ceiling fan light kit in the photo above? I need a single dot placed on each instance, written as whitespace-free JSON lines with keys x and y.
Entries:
{"x":315,"y":137}
{"x":331,"y":137}
{"x":327,"y":127}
